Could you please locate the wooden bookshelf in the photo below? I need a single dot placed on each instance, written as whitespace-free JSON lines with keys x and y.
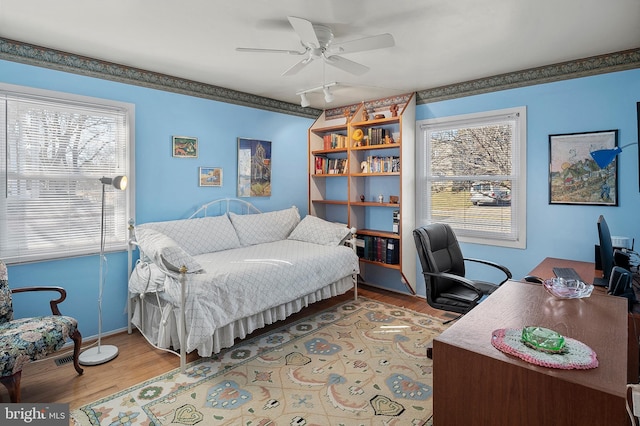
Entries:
{"x":385,"y":145}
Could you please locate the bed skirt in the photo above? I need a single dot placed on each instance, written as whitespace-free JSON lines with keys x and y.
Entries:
{"x":159,"y":324}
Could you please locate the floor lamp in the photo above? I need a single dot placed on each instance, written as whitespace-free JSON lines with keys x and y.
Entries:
{"x":102,"y":353}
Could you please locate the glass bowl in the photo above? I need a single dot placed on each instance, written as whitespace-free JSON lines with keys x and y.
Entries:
{"x":568,"y":289}
{"x":543,"y":339}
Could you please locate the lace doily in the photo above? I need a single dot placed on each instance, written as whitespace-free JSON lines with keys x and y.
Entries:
{"x":577,"y":355}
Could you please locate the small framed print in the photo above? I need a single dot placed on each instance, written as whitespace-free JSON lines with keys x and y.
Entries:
{"x":185,"y":147}
{"x":210,"y":176}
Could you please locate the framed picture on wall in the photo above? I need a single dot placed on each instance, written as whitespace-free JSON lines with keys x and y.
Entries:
{"x":210,"y":176}
{"x":185,"y":147}
{"x":575,"y":177}
{"x":254,"y":168}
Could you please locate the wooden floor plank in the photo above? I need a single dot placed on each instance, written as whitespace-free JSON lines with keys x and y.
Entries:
{"x":137,"y":361}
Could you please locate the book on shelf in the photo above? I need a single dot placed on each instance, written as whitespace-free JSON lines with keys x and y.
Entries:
{"x":378,"y":249}
{"x":334,"y":141}
{"x":378,"y":135}
{"x":359,"y":245}
{"x":330,"y":166}
{"x":375,"y":164}
{"x":396,"y":221}
{"x":392,"y":251}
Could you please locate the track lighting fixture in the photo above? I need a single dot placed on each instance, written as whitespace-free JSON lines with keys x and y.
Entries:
{"x":304,"y":101}
{"x":328,"y":96}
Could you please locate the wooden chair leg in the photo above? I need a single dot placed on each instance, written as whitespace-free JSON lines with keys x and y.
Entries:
{"x":12,"y":383}
{"x":77,"y":344}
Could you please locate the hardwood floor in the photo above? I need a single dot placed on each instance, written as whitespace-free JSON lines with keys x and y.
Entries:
{"x":137,"y":361}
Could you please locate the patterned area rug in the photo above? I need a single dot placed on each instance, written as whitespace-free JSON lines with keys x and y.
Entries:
{"x":358,"y":363}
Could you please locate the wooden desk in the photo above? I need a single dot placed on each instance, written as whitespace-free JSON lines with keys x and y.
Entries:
{"x":587,"y":271}
{"x":476,"y":384}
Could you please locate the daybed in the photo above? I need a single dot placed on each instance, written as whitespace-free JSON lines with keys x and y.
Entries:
{"x":232,"y":269}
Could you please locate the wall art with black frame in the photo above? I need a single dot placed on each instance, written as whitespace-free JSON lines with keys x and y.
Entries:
{"x":574,"y":176}
{"x":638,"y":111}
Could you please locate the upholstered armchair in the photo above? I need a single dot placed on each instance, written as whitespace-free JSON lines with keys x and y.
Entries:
{"x":28,"y":339}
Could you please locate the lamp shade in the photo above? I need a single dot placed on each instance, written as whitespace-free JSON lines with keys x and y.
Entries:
{"x":118,"y":182}
{"x":604,"y":157}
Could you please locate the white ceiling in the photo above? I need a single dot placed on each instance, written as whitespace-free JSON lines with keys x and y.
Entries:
{"x":437,"y":42}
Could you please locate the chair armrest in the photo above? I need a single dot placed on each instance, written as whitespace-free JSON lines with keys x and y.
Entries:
{"x":462,"y":280}
{"x":504,"y":269}
{"x":53,"y":303}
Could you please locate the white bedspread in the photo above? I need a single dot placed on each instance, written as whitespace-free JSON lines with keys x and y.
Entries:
{"x":245,"y":281}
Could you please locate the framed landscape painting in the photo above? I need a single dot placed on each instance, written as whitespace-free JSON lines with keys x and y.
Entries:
{"x":574,"y":176}
{"x":254,"y":168}
{"x":210,"y":176}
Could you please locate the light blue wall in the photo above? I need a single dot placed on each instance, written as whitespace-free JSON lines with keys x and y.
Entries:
{"x":601,"y":102}
{"x":165,"y":187}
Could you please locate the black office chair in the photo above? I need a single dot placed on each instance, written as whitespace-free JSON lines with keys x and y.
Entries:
{"x":443,"y":267}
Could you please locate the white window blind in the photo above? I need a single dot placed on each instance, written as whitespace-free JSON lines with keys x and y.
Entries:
{"x":53,"y":153}
{"x":471,"y":175}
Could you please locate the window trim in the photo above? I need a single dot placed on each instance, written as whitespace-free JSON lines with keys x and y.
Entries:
{"x":70,"y":98}
{"x":520,"y":154}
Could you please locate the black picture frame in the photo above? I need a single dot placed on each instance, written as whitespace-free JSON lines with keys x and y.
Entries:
{"x":638,"y":113}
{"x":574,"y":176}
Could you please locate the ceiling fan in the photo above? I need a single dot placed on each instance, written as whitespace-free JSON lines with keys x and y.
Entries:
{"x":317,"y":41}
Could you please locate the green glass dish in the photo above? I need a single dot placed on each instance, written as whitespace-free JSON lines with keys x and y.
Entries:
{"x":543,"y":339}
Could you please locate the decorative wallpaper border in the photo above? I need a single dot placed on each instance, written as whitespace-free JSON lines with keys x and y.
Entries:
{"x":602,"y":64}
{"x":30,"y":54}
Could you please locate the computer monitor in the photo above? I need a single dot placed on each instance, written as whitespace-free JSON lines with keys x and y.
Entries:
{"x":606,"y":253}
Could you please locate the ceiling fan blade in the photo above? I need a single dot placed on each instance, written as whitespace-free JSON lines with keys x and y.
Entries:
{"x":297,"y":66}
{"x":305,"y":31}
{"x":366,"y":43}
{"x":346,"y":65}
{"x":258,"y":50}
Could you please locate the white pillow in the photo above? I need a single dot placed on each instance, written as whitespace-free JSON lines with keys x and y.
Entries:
{"x":199,"y":235}
{"x":162,"y":249}
{"x":312,"y":229}
{"x":265,"y":227}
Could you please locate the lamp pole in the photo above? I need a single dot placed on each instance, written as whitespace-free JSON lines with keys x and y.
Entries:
{"x":102,"y":353}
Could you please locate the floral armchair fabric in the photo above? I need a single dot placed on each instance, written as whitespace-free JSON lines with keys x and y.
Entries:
{"x":28,"y":339}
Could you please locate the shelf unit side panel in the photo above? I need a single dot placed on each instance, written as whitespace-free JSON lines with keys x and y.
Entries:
{"x":408,"y":253}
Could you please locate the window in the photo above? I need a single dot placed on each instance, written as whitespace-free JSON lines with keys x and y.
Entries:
{"x":54,"y":148}
{"x":471,"y":174}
